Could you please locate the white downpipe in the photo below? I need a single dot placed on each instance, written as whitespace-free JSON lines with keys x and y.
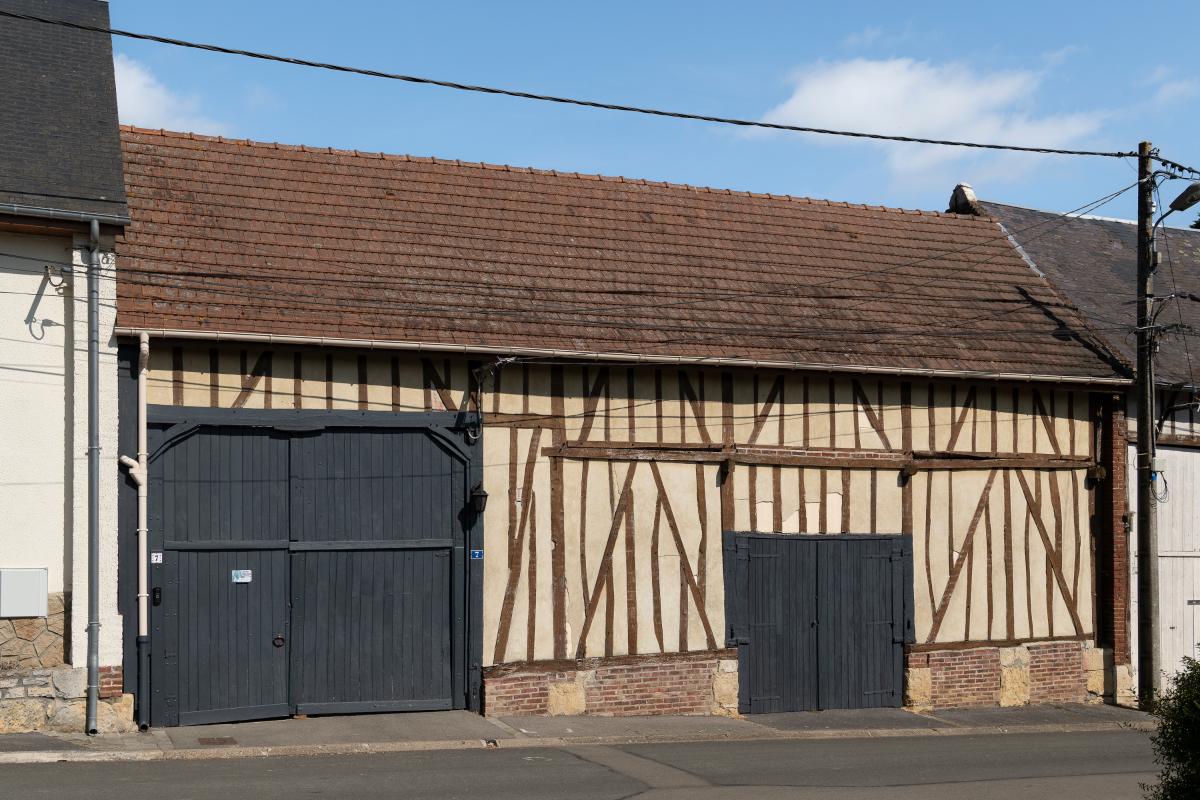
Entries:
{"x":139,"y":472}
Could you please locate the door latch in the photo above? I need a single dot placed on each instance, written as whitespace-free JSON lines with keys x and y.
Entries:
{"x":156,"y":596}
{"x":278,"y":641}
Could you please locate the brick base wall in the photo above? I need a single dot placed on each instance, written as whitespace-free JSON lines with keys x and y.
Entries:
{"x":961,"y":678}
{"x":1056,"y":673}
{"x":707,"y":683}
{"x":1038,"y":672}
{"x":111,"y":682}
{"x":686,"y":684}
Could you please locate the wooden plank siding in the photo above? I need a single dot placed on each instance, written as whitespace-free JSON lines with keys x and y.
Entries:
{"x":610,"y":485}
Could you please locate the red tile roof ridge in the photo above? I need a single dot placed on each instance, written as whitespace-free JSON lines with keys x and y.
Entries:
{"x":539,"y":171}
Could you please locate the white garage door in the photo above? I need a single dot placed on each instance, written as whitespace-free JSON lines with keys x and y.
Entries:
{"x":1178,"y":558}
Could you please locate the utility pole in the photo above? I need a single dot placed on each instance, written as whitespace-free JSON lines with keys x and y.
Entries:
{"x":1147,"y":503}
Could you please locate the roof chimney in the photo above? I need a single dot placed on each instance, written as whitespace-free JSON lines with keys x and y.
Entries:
{"x":963,"y":200}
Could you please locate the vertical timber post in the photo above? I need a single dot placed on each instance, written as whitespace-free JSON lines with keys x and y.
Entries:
{"x":1147,"y":540}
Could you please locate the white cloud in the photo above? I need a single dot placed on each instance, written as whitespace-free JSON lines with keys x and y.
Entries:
{"x":144,"y":101}
{"x":864,"y":38}
{"x":1158,"y":75}
{"x":1056,"y":58}
{"x":262,"y":99}
{"x":1161,"y":88}
{"x":917,"y":98}
{"x":1174,"y":91}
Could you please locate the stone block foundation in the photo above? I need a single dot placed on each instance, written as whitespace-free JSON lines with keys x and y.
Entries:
{"x":54,"y":699}
{"x":1024,"y":674}
{"x":684,"y":683}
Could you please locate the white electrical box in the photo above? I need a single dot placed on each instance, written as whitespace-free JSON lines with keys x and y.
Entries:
{"x":23,"y":592}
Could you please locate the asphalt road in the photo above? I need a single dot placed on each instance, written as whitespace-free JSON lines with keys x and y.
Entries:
{"x":1097,"y":766}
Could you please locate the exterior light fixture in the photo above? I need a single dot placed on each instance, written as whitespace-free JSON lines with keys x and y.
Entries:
{"x":1187,"y":198}
{"x":478,"y":499}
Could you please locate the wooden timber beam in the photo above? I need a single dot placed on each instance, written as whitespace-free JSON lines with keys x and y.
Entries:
{"x":510,"y":420}
{"x":1179,"y":440}
{"x":926,"y":647}
{"x":847,"y":459}
{"x":1004,"y":462}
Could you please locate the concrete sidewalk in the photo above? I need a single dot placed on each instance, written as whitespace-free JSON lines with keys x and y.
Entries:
{"x":456,"y":730}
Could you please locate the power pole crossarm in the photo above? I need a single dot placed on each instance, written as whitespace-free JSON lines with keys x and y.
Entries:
{"x":1147,"y":511}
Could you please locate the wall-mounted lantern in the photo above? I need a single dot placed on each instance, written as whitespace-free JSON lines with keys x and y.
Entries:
{"x":479,"y":499}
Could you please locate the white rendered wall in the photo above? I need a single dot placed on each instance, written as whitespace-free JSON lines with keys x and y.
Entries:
{"x":33,"y":406}
{"x":43,"y":426}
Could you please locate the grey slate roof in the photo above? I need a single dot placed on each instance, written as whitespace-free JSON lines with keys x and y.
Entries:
{"x":59,"y":142}
{"x":1093,"y":264}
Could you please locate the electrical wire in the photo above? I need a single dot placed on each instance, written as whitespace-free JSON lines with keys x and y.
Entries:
{"x":777,"y":291}
{"x":683,"y":333}
{"x":1176,"y":294}
{"x":370,"y":306}
{"x":1195,"y":173}
{"x":680,"y":334}
{"x":916,"y":330}
{"x":1002,"y":237}
{"x":549,"y":98}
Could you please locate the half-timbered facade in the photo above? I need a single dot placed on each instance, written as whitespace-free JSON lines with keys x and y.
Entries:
{"x":611,"y":486}
{"x":642,"y":372}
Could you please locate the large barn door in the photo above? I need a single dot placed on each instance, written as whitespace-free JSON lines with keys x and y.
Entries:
{"x":218,"y":498}
{"x":311,"y":564}
{"x":376,"y":537}
{"x":819,"y":621}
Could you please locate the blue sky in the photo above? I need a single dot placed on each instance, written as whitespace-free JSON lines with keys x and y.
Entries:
{"x":1060,"y":74}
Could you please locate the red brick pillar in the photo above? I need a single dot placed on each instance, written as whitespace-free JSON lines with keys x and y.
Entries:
{"x":1112,"y":552}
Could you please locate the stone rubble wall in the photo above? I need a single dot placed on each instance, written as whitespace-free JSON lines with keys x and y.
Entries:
{"x":34,"y":642}
{"x":54,"y":699}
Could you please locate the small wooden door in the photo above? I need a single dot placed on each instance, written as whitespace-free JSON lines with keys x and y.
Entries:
{"x":819,"y":621}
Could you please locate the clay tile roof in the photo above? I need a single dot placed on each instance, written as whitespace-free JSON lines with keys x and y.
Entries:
{"x":270,"y":239}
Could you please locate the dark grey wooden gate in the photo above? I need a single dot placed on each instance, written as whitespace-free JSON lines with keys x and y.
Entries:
{"x":311,"y":563}
{"x":819,"y":621}
{"x":374,"y":513}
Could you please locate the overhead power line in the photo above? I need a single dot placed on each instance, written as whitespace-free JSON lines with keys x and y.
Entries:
{"x":601,"y":315}
{"x":190,"y":273}
{"x":1174,"y":165}
{"x":603,"y":326}
{"x":1178,"y":296}
{"x":571,"y":101}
